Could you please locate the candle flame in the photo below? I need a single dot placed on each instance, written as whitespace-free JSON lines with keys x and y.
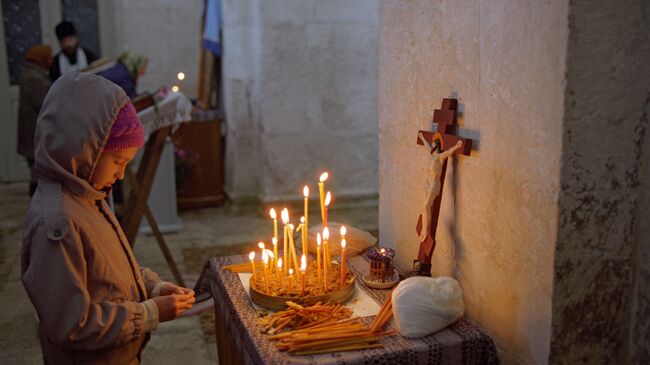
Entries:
{"x":290,"y":272}
{"x":251,"y":256}
{"x":303,"y":263}
{"x":328,"y":198}
{"x":275,"y":241}
{"x":175,"y":88}
{"x":343,"y":231}
{"x":280,"y":263}
{"x":273,"y":214}
{"x":326,"y":234}
{"x":305,"y":191}
{"x":180,"y":76}
{"x":323,"y":176}
{"x":290,"y":226}
{"x":265,"y":257}
{"x":260,"y":245}
{"x":302,"y":219}
{"x":318,"y":239}
{"x":343,"y":243}
{"x":285,"y":215}
{"x":383,"y":250}
{"x":270,"y":253}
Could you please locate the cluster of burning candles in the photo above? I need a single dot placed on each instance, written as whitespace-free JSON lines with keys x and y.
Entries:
{"x":286,"y":267}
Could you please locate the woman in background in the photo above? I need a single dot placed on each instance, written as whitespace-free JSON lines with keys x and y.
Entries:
{"x":34,"y":84}
{"x":129,"y":67}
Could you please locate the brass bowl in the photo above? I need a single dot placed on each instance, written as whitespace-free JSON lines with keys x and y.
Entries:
{"x":276,"y":303}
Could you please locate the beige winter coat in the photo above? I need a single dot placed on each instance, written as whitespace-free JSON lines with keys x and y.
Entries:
{"x":78,"y":268}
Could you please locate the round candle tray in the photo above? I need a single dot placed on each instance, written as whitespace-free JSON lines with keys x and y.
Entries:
{"x":382,"y":285}
{"x":275,"y":303}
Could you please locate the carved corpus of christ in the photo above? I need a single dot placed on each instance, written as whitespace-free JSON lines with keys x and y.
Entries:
{"x":434,"y":172}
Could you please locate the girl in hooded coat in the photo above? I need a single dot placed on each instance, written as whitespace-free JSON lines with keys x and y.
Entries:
{"x":95,"y":304}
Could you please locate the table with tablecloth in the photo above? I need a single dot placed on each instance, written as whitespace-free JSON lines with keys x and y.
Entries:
{"x":240,"y":341}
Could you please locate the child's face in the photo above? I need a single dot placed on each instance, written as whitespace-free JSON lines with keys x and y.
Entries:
{"x":111,"y":166}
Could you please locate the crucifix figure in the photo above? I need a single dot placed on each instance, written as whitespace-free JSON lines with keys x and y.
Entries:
{"x":434,"y":173}
{"x":441,"y":145}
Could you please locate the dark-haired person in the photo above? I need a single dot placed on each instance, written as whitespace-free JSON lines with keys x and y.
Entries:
{"x":73,"y":57}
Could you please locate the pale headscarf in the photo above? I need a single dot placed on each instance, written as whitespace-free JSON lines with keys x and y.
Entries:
{"x":134,"y":62}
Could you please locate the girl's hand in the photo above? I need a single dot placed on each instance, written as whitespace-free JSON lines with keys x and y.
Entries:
{"x":175,"y":289}
{"x":171,"y":306}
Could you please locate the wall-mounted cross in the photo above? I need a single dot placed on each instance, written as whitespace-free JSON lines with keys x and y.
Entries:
{"x":445,"y":118}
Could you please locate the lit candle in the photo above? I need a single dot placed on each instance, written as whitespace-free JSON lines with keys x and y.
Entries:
{"x":271,"y":257}
{"x":265,"y":259}
{"x":275,"y":249}
{"x":303,"y":235}
{"x":274,"y":216}
{"x":343,"y":232}
{"x":290,"y":280}
{"x":343,"y":243}
{"x":251,"y":256}
{"x":261,"y":246}
{"x":292,"y":247}
{"x":285,"y":220}
{"x":269,"y":253}
{"x":321,"y":191}
{"x":305,"y":232}
{"x":328,"y":200}
{"x":318,"y":242}
{"x":279,"y":272}
{"x":303,"y":268}
{"x":326,"y":248}
{"x":324,"y":272}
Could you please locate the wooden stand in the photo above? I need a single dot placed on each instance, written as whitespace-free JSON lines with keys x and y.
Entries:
{"x":445,"y":118}
{"x":203,"y":185}
{"x":136,"y":205}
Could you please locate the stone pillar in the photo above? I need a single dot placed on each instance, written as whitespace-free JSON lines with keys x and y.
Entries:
{"x":601,"y":298}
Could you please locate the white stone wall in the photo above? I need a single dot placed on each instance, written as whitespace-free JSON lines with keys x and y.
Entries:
{"x":505,"y":62}
{"x":167,"y":31}
{"x":300,"y":85}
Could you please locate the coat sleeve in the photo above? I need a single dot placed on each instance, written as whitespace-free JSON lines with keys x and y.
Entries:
{"x":55,"y":278}
{"x":152,"y":282}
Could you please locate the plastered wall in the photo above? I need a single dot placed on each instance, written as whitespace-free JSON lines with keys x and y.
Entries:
{"x":167,"y":31}
{"x":300,"y":87}
{"x":505,"y":62}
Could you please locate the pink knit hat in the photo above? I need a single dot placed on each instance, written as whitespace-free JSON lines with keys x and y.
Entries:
{"x":127,"y":131}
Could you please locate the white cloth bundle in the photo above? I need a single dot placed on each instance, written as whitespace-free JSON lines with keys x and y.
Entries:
{"x":423,"y":305}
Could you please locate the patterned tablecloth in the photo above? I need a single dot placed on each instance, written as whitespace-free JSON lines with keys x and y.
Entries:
{"x":460,"y":343}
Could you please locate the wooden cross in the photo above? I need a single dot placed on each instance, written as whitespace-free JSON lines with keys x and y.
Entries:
{"x":445,"y":118}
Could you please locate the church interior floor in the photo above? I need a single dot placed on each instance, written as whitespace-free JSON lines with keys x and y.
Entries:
{"x":205,"y":233}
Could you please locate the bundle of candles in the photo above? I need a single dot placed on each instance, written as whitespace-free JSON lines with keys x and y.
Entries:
{"x":289,"y":275}
{"x":331,"y":334}
{"x":298,"y":317}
